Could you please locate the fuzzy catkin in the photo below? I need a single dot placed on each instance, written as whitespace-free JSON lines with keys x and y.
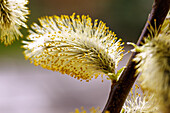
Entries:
{"x":13,"y":15}
{"x":74,"y":45}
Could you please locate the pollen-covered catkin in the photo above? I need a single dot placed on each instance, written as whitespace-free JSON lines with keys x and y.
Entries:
{"x":138,"y":102}
{"x":153,"y":62}
{"x":13,"y":15}
{"x":74,"y":45}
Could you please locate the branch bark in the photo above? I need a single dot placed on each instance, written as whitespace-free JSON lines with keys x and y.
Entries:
{"x":120,"y":90}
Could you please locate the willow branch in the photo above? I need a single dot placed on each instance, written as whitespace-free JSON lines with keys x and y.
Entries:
{"x":120,"y":89}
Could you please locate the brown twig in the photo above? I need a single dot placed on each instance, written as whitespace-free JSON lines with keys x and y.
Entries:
{"x":120,"y":90}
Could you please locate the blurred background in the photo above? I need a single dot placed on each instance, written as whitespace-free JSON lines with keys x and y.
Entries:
{"x":25,"y":88}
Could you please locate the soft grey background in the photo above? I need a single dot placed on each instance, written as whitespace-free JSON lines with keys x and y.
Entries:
{"x":25,"y":88}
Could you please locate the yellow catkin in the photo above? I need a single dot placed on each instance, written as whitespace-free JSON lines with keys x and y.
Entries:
{"x":153,"y":64}
{"x":74,"y":46}
{"x":13,"y":16}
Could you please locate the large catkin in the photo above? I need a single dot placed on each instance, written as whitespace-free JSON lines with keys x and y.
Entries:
{"x":74,"y":46}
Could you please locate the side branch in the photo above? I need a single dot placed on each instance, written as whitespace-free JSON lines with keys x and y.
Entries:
{"x":120,"y":90}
